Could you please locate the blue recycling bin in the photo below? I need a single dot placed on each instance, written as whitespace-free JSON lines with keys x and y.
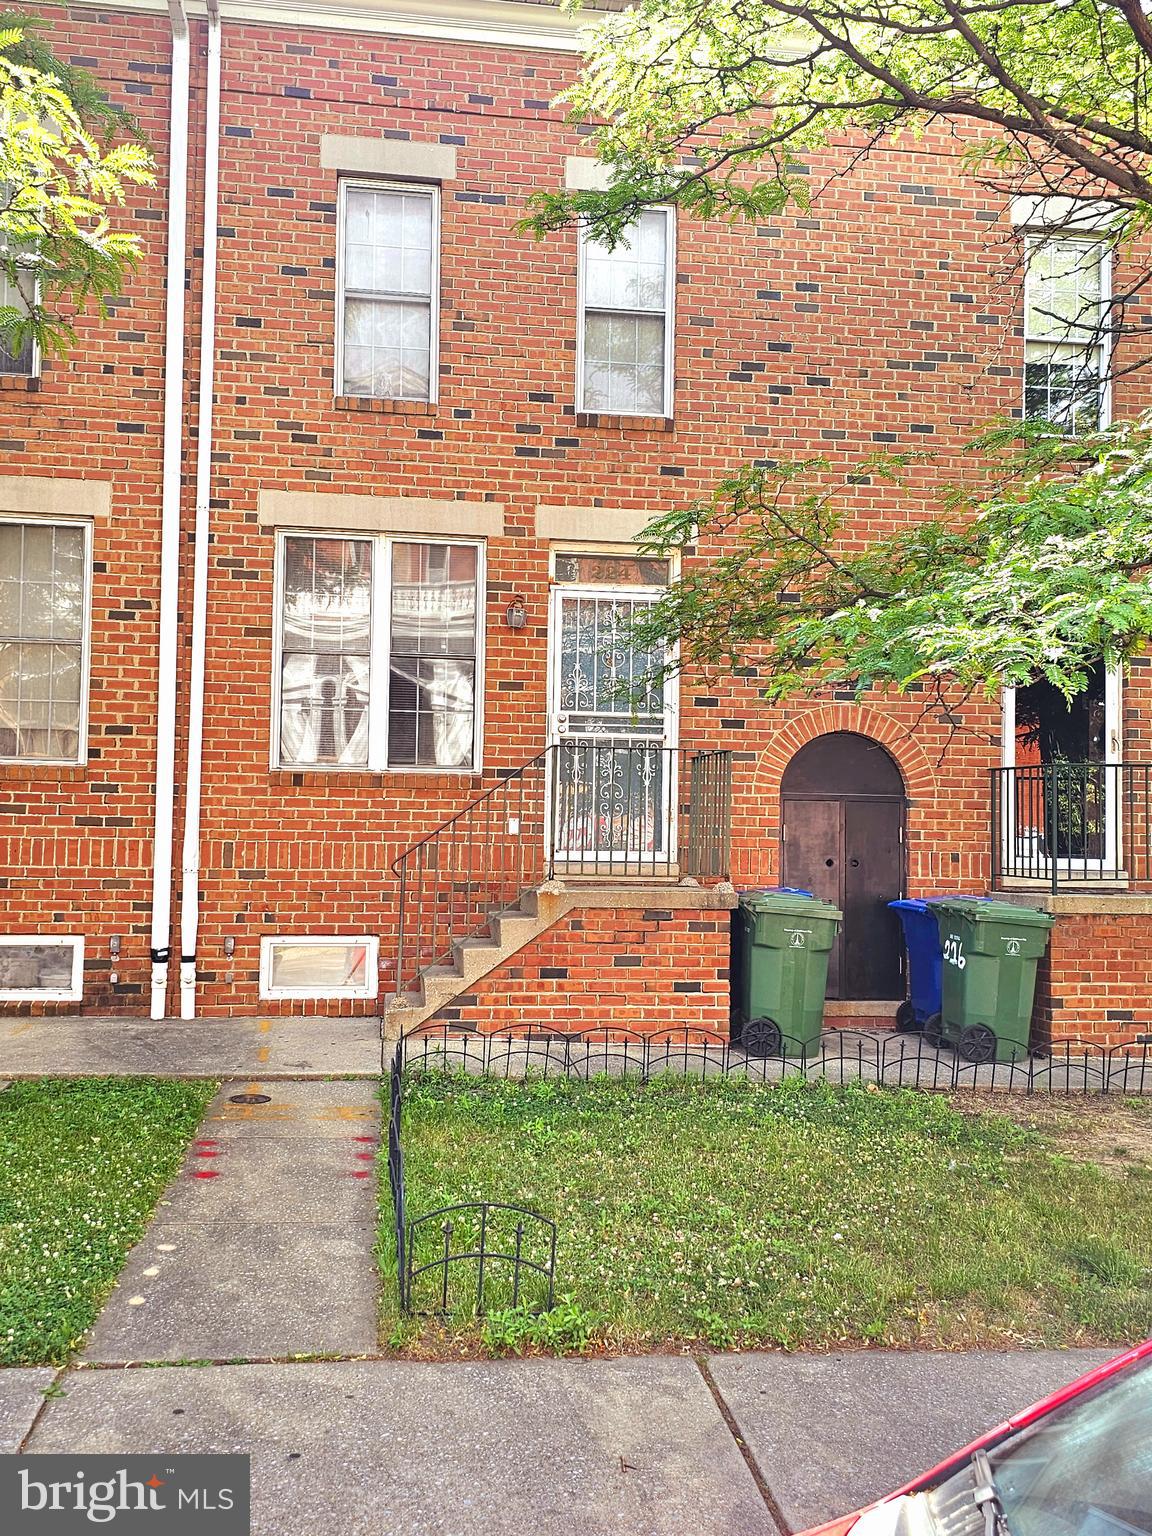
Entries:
{"x":925,"y":962}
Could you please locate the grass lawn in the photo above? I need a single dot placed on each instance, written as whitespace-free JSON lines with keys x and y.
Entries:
{"x":82,"y":1164}
{"x":799,"y":1215}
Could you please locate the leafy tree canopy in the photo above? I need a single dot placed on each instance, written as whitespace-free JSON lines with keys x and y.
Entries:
{"x":1041,"y":575}
{"x":722,"y":107}
{"x":715,"y":104}
{"x":66,"y":157}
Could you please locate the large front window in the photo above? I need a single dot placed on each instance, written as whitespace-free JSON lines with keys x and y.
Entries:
{"x":626,"y":320}
{"x":387,"y":291}
{"x":380,"y":642}
{"x":44,"y":574}
{"x":1065,"y":346}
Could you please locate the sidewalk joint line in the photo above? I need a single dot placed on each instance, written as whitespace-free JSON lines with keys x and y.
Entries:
{"x":45,"y":1398}
{"x":750,"y":1461}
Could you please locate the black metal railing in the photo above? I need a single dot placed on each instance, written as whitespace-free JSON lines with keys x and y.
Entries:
{"x":481,"y":861}
{"x":1070,"y":824}
{"x":604,"y":808}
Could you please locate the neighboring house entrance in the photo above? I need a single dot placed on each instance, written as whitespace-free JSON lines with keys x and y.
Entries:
{"x":1060,"y":788}
{"x":842,"y":837}
{"x":613,"y":788}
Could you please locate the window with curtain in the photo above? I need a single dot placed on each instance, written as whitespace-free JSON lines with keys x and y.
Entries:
{"x":45,"y":569}
{"x":388,"y":279}
{"x":626,"y":326}
{"x":1065,"y":333}
{"x":379,"y":652}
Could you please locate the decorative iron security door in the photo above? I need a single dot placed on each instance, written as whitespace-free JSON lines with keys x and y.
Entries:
{"x":613,"y":719}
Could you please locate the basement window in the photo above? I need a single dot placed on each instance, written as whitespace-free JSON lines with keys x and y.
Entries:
{"x":38,"y":968}
{"x":318,"y":967}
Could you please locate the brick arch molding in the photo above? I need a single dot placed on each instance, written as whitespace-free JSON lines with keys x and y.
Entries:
{"x":912,"y":760}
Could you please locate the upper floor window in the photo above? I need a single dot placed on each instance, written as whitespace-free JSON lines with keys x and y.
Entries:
{"x":380,"y":649}
{"x":387,"y":300}
{"x":1066,"y":333}
{"x":44,"y":596}
{"x":626,"y":321}
{"x":24,"y":361}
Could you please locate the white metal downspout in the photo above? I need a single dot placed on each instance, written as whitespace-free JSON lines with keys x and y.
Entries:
{"x":167,"y":657}
{"x":190,"y":857}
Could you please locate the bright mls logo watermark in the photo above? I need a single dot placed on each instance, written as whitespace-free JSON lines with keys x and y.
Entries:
{"x":158,"y":1495}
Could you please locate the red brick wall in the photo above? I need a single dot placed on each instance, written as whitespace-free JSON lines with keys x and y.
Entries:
{"x":876,"y":319}
{"x":75,"y":843}
{"x":1093,"y":982}
{"x":637,"y":970}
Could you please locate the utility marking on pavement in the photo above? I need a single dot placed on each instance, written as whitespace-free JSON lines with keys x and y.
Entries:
{"x":263,"y":1054}
{"x":372,"y":1139}
{"x":204,"y":1173}
{"x":265,"y":1026}
{"x":345,"y":1112}
{"x":367,"y":1157}
{"x":22,"y":1029}
{"x":361,"y":1173}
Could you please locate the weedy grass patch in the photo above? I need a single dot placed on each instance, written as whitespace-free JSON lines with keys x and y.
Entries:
{"x":734,"y":1214}
{"x":82,"y":1165}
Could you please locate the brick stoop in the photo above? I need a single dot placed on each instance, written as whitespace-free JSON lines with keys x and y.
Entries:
{"x":643,"y":957}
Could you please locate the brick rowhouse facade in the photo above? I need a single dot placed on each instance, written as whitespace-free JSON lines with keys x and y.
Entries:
{"x":887,"y":316}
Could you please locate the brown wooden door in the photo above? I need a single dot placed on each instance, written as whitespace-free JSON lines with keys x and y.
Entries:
{"x":849,"y":851}
{"x":813,"y":860}
{"x":872,"y":877}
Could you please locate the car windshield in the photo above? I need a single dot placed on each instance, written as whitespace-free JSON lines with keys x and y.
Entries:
{"x":1086,"y":1469}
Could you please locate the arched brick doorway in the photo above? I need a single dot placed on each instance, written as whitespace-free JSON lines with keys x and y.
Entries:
{"x":842,"y":838}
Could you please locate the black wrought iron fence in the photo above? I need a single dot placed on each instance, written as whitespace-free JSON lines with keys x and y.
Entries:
{"x":477,"y":1251}
{"x":1070,"y":824}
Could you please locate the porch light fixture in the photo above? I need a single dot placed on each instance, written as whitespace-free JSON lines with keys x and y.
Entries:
{"x":516,"y":614}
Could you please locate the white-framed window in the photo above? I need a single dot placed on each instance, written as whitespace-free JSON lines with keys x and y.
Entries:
{"x":45,"y":600}
{"x":38,"y":967}
{"x":626,"y":330}
{"x":388,"y":281}
{"x":379,"y":654}
{"x":24,"y":363}
{"x":319,"y":965}
{"x":1066,"y":296}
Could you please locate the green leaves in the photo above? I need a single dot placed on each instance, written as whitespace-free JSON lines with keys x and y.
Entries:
{"x":60,"y":178}
{"x":1043,"y":574}
{"x":715,"y":104}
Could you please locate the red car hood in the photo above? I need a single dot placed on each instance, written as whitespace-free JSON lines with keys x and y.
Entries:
{"x":1019,"y":1421}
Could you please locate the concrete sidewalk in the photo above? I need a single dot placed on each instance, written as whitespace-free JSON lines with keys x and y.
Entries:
{"x":228,"y":1048}
{"x":648,"y":1446}
{"x":263,"y":1244}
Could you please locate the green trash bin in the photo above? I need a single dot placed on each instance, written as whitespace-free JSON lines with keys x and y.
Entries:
{"x":990,"y":953}
{"x":780,"y":945}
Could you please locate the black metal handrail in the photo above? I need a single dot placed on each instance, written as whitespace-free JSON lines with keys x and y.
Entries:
{"x":602,"y":808}
{"x":1072,"y":824}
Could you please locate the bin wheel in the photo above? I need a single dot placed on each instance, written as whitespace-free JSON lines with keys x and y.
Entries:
{"x":932,"y":1035}
{"x":905,"y":1017}
{"x":977,"y":1044}
{"x":761,"y":1037}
